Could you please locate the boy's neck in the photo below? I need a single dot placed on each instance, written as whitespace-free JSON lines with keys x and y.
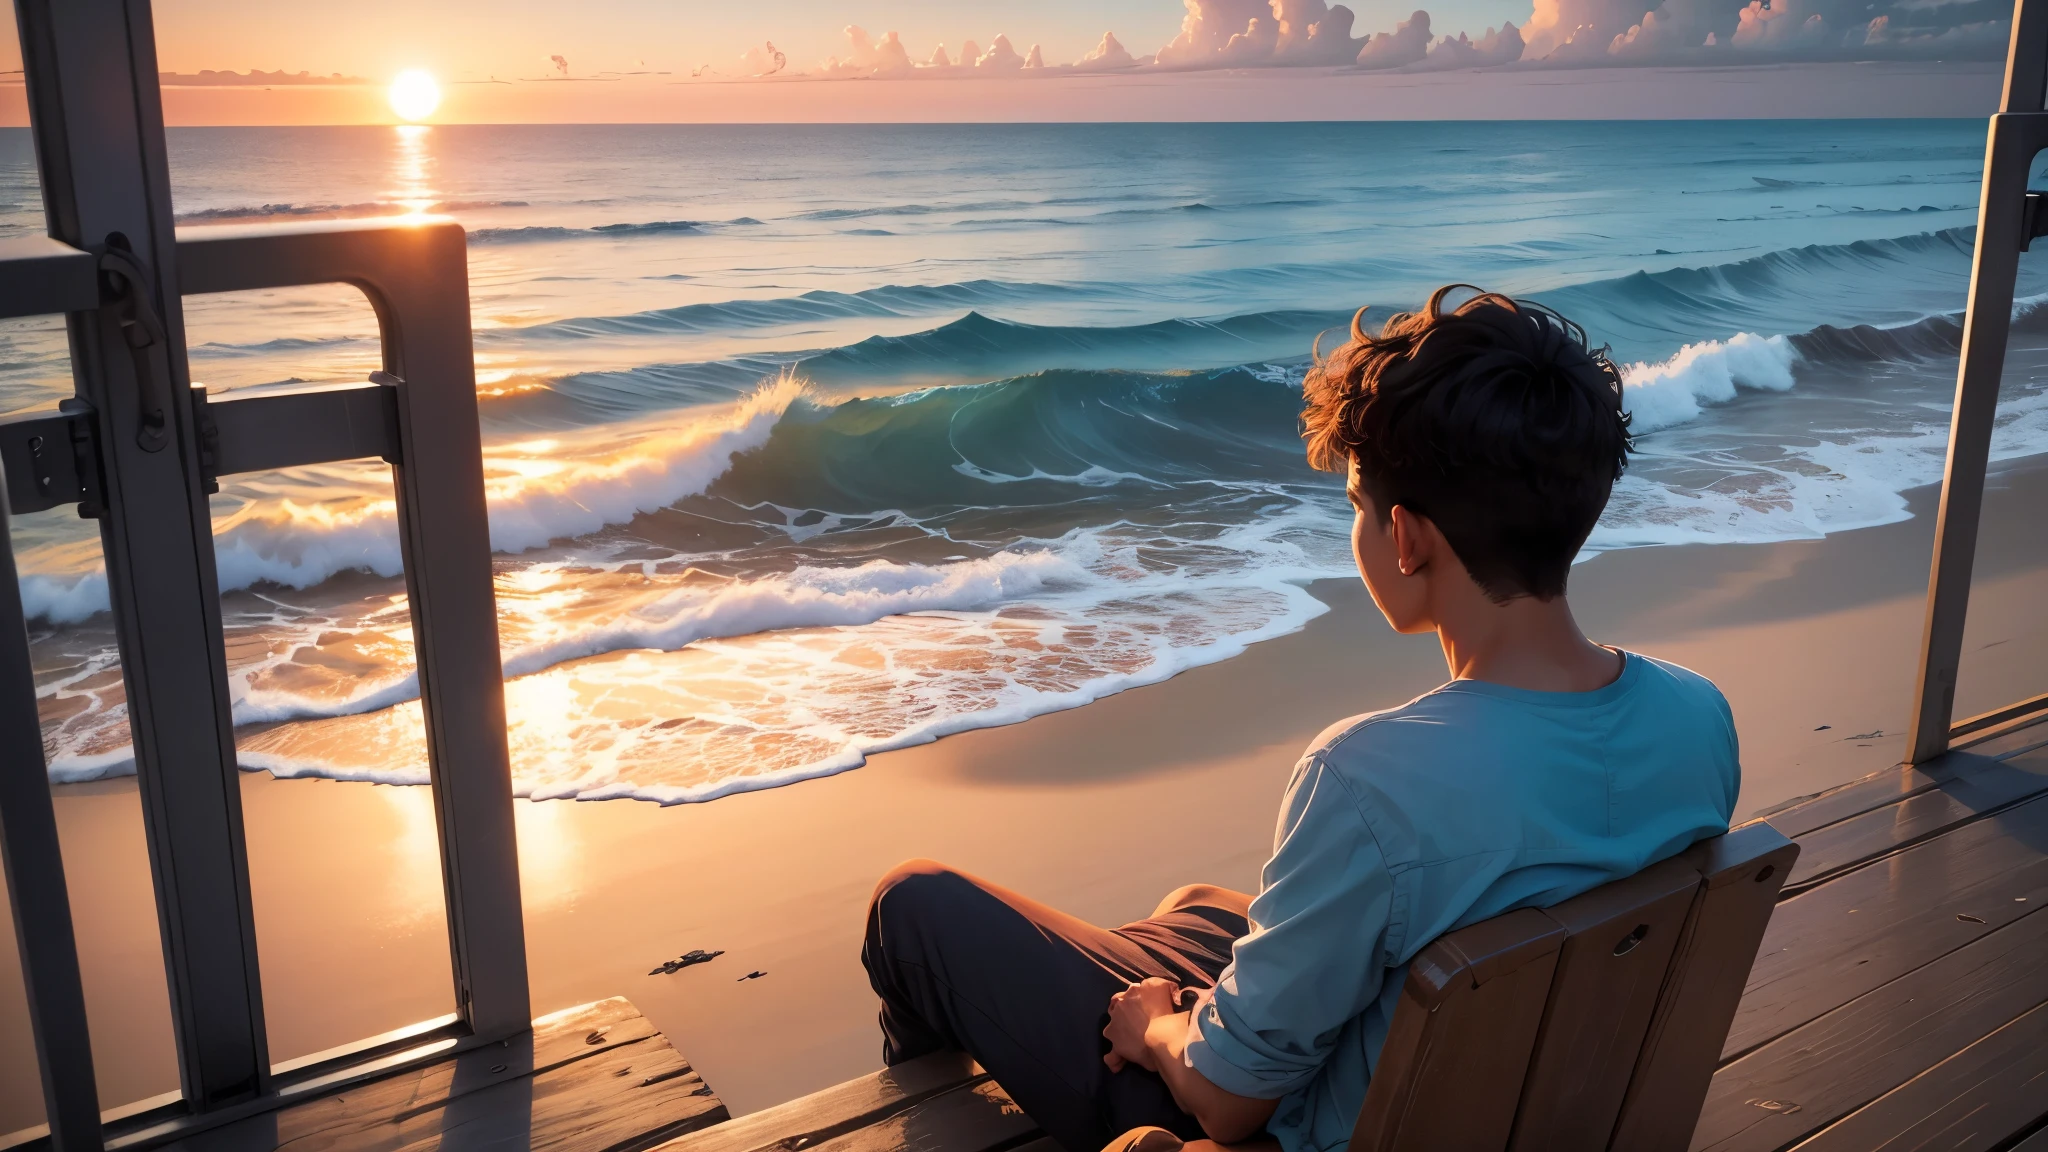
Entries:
{"x":1524,"y":643}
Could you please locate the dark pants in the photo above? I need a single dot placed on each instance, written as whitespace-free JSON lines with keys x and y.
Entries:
{"x":1024,"y":989}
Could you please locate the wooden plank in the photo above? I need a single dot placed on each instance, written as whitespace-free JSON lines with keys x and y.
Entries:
{"x":1796,"y":818}
{"x":2010,"y":742}
{"x":1833,"y":943}
{"x":1605,"y":989}
{"x":837,"y":1110}
{"x":1810,"y":1077}
{"x":1853,"y":799}
{"x":1988,"y":786}
{"x":598,"y":1076}
{"x":1971,"y":1102}
{"x":2038,"y":1142}
{"x":1742,"y":873}
{"x":623,"y":1099}
{"x":975,"y":1117}
{"x":1451,"y":1069}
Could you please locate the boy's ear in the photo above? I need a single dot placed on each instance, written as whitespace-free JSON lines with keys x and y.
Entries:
{"x":1413,"y":540}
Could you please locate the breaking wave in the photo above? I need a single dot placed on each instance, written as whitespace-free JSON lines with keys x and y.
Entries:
{"x":555,"y":232}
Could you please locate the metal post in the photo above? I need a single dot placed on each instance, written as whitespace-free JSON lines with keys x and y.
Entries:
{"x":98,"y":122}
{"x":2016,"y":135}
{"x":34,"y":865}
{"x":417,"y":278}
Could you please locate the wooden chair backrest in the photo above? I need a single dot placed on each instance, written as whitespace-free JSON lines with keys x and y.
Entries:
{"x":1743,"y":872}
{"x":1619,"y":941}
{"x":1458,"y":1046}
{"x":1593,"y":1024}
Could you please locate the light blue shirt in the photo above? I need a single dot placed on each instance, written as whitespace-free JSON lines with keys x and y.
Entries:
{"x":1399,"y":826}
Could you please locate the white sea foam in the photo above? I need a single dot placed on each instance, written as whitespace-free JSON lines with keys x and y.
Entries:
{"x":1093,"y":476}
{"x":63,"y":598}
{"x":537,"y":491}
{"x":767,"y":708}
{"x":1673,"y":391}
{"x":808,"y":597}
{"x":714,"y":687}
{"x":1750,"y":483}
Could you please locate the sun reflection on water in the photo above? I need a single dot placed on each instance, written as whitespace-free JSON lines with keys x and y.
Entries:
{"x":412,"y":168}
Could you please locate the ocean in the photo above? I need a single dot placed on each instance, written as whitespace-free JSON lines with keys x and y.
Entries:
{"x":804,"y":443}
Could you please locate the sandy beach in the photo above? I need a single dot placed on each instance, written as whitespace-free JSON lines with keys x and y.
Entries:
{"x":1098,"y":810}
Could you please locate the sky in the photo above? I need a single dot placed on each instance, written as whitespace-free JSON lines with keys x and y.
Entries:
{"x":625,"y":60}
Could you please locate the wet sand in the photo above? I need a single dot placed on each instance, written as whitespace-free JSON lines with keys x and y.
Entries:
{"x":1098,"y":810}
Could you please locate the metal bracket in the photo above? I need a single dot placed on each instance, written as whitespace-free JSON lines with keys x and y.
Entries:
{"x":127,"y":289}
{"x":53,"y":458}
{"x":2033,"y":219}
{"x":208,"y":435}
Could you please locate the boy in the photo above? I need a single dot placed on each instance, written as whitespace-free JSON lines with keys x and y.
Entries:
{"x":1481,"y":443}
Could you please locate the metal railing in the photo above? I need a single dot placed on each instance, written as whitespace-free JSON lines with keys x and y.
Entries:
{"x":419,"y":414}
{"x":138,"y":450}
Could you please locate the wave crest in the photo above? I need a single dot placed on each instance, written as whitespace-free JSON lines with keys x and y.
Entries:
{"x":1673,"y":391}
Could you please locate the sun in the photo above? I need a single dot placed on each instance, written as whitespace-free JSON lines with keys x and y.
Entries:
{"x":414,"y":94}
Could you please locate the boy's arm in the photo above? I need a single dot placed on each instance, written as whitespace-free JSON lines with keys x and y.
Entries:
{"x":1313,"y":961}
{"x":1145,"y":1029}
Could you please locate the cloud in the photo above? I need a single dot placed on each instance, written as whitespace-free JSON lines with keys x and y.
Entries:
{"x":1491,"y":50}
{"x":1262,"y":33}
{"x":1000,"y":57}
{"x":1312,"y":33}
{"x":1579,"y":33}
{"x":1984,"y":39}
{"x":869,"y":57}
{"x":1779,"y":25}
{"x":1407,"y":44}
{"x":1108,"y":56}
{"x":1556,"y":34}
{"x":208,"y":78}
{"x":1219,"y":33}
{"x":764,"y":59}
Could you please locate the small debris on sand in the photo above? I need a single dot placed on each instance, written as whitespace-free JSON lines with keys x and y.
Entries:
{"x":1823,"y":727}
{"x":750,"y":976}
{"x":693,"y":956}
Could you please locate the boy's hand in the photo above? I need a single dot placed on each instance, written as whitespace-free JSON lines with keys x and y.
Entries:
{"x":1131,"y":1013}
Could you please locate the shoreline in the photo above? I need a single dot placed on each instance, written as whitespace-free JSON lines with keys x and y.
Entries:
{"x":1156,"y":786}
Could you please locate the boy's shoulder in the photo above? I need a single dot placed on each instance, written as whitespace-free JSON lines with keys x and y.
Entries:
{"x":1464,"y":712}
{"x":1680,"y":675}
{"x":1423,"y":719}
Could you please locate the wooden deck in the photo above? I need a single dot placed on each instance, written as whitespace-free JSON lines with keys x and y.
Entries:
{"x":1899,"y":1001}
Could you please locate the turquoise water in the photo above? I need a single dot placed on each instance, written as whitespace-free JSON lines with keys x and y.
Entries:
{"x":808,"y":442}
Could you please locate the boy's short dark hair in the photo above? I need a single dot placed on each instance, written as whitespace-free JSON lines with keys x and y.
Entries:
{"x":1495,"y":420}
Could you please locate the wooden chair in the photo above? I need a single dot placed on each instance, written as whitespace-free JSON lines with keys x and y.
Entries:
{"x":1594,"y":1024}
